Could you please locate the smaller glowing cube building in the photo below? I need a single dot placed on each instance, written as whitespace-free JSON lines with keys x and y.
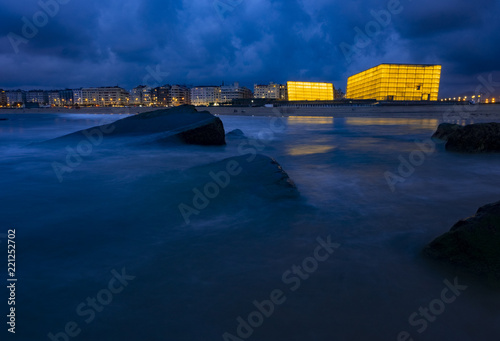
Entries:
{"x":307,"y":91}
{"x":396,"y":82}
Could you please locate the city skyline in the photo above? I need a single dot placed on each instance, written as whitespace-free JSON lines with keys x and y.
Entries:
{"x":52,"y":44}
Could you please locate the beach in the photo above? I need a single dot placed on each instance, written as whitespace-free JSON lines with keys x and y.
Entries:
{"x":438,"y":111}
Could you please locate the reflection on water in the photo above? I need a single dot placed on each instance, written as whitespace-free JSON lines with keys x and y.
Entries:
{"x":119,"y":209}
{"x":365,"y":121}
{"x":309,"y":149}
{"x":309,"y":120}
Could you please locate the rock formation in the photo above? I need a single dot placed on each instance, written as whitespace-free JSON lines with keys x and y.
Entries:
{"x":182,"y":124}
{"x":473,"y":138}
{"x":472,"y":243}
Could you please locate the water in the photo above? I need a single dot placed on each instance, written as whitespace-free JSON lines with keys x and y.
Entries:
{"x":118,"y":209}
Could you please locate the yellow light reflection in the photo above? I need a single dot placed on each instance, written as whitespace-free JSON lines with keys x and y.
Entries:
{"x":369,"y":121}
{"x":310,"y":120}
{"x":309,"y":149}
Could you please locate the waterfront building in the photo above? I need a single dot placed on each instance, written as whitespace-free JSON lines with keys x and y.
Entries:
{"x":105,"y":96}
{"x":396,"y":82}
{"x":161,"y":96}
{"x":180,"y":95}
{"x":310,"y":91}
{"x":15,"y":97}
{"x":234,"y":91}
{"x":3,"y":98}
{"x":67,"y":97}
{"x":37,"y":96}
{"x":205,"y":95}
{"x":141,"y":95}
{"x":283,"y":92}
{"x":53,"y":98}
{"x":269,"y":91}
{"x":77,"y":96}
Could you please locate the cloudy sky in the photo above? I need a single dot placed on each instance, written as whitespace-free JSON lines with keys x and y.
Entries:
{"x":74,"y":43}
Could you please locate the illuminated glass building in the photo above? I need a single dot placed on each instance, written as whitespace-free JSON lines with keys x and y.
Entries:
{"x":306,"y":91}
{"x":396,"y":82}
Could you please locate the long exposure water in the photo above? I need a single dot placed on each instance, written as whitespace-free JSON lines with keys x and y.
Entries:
{"x":103,"y":251}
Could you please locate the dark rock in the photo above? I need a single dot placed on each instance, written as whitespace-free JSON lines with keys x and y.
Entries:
{"x":444,"y":130}
{"x":475,"y":138}
{"x":258,"y":174}
{"x":211,"y":134}
{"x":184,"y":124}
{"x":472,"y":243}
{"x":237,"y":133}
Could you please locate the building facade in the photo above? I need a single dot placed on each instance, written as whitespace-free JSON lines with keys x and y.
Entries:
{"x":15,"y":97}
{"x":396,"y":82}
{"x":67,"y":96}
{"x":3,"y":98}
{"x":234,"y":91}
{"x":54,"y":99}
{"x":77,"y":96}
{"x":310,"y":91}
{"x":106,"y":96}
{"x":283,"y":92}
{"x":205,"y":95}
{"x":161,"y":96}
{"x":37,"y":96}
{"x":270,"y":91}
{"x":141,"y":95}
{"x":180,"y":95}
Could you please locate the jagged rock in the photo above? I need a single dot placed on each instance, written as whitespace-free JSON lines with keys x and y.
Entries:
{"x":184,"y":124}
{"x":472,"y":243}
{"x":444,"y":130}
{"x":473,"y":138}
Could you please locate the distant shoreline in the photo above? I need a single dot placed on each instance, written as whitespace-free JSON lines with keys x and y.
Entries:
{"x":417,"y":111}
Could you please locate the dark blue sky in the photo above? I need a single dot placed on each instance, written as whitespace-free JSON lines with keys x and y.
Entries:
{"x":196,"y":42}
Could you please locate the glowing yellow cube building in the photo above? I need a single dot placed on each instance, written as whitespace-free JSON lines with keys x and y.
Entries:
{"x":306,"y":91}
{"x":396,"y":82}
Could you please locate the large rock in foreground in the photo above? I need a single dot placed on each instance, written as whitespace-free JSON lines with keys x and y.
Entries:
{"x":184,"y":124}
{"x":473,"y":243}
{"x":257,"y":174}
{"x":444,"y":130}
{"x":473,"y":138}
{"x":242,"y":186}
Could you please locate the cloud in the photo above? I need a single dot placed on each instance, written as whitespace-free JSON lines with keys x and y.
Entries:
{"x":112,"y":42}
